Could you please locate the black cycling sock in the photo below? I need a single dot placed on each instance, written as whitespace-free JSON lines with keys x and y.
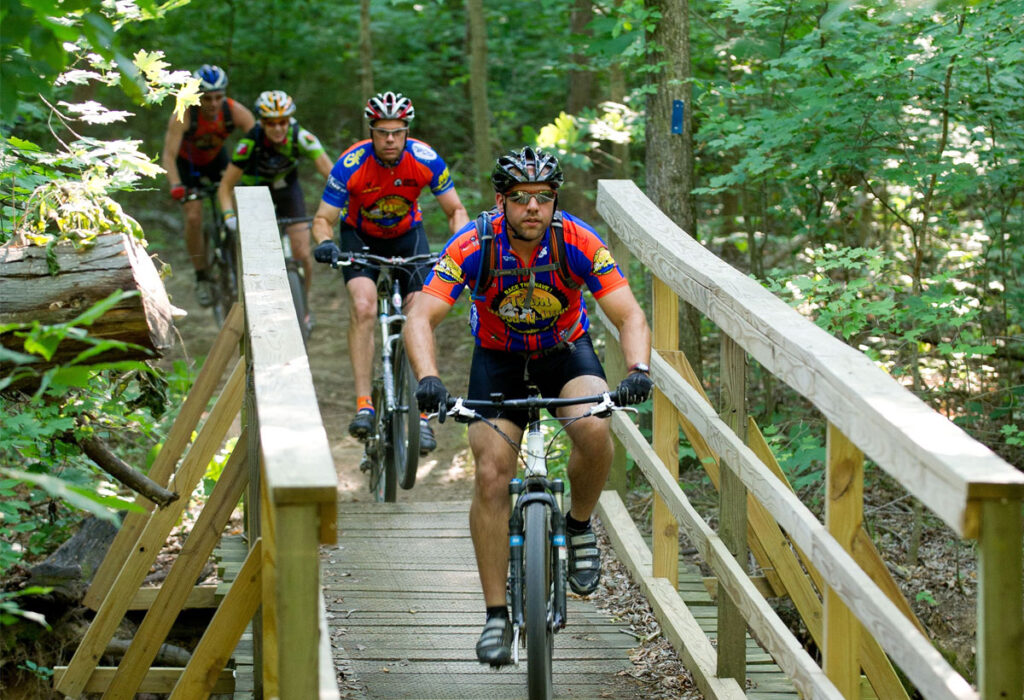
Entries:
{"x":574,"y":526}
{"x":497,"y":611}
{"x":202,"y":275}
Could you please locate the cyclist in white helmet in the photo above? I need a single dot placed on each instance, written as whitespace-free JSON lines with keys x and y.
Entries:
{"x":194,"y":155}
{"x":374,"y":190}
{"x":269,"y":154}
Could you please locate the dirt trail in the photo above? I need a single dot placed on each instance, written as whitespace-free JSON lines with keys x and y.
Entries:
{"x":443,"y":474}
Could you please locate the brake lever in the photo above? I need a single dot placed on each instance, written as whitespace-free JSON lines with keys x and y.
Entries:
{"x":461,"y":414}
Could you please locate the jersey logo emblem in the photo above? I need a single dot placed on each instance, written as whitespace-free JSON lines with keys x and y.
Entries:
{"x":422,"y":151}
{"x":448,"y":270}
{"x":603,"y":262}
{"x":546,"y":305}
{"x":353,"y":158}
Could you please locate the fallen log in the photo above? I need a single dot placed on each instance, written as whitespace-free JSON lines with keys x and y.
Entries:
{"x":83,"y":277}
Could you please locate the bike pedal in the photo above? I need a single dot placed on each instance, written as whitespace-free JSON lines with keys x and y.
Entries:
{"x":365,"y":464}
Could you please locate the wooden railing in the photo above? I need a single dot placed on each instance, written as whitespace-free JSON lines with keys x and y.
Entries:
{"x":283,"y":458}
{"x":861,"y":620}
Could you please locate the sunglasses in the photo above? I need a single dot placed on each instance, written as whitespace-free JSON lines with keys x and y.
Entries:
{"x":390,"y":132}
{"x":523,"y":197}
{"x":275,"y":122}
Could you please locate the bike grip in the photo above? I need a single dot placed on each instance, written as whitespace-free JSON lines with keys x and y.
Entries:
{"x":178,"y":192}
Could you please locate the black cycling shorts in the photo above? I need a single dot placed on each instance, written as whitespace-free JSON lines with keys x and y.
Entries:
{"x":413,"y":242}
{"x":194,"y":176}
{"x":506,"y":372}
{"x":288,"y":201}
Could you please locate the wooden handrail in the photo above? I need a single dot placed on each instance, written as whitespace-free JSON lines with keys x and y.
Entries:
{"x":962,"y":481}
{"x":931,"y":457}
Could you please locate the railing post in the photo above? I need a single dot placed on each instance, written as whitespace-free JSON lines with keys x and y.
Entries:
{"x":1000,"y":635}
{"x":298,"y":598}
{"x":665,"y":535}
{"x":844,"y":515}
{"x":732,"y":513}
{"x":615,"y":369}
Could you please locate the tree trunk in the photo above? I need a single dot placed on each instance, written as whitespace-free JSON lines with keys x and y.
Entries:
{"x":365,"y":58}
{"x":579,"y":95}
{"x":476,"y":30}
{"x":29,"y":292}
{"x":670,"y":164}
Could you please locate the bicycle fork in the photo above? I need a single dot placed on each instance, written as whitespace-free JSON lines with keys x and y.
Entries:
{"x":537,"y":489}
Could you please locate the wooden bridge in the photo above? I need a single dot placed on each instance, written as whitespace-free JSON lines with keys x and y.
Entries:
{"x":396,"y":594}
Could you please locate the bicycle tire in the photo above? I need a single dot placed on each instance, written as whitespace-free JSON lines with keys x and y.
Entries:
{"x":405,"y":422}
{"x":382,"y":471}
{"x":298,"y":289}
{"x":539,"y":635}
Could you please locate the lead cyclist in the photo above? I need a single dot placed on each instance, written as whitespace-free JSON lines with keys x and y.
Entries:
{"x":531,"y":326}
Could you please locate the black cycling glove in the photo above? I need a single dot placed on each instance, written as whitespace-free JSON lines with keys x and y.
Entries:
{"x":327,"y":252}
{"x":635,"y":388}
{"x":432,"y":397}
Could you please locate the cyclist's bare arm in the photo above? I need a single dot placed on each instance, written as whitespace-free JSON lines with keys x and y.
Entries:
{"x":625,"y":313}
{"x":323,"y":222}
{"x":242,"y":117}
{"x":172,"y":144}
{"x":418,"y":334}
{"x":324,"y":165}
{"x":226,"y":189}
{"x":453,"y":209}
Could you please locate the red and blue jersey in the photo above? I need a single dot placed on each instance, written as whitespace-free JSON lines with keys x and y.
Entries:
{"x":382,"y":201}
{"x":507,"y":315}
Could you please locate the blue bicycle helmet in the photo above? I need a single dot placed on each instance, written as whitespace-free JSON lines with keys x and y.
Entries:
{"x":211,"y":78}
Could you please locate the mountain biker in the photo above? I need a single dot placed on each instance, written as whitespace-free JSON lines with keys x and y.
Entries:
{"x":530,"y":323}
{"x":269,"y":155}
{"x":194,"y":155}
{"x":374,"y":189}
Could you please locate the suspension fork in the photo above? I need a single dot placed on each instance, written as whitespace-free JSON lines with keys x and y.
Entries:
{"x":389,"y":311}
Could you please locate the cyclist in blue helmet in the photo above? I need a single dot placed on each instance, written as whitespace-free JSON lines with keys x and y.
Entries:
{"x":194,"y":155}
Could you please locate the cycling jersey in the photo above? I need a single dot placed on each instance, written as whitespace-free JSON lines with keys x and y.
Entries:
{"x":382,"y":201}
{"x":508,"y":315}
{"x":264,"y":162}
{"x":204,"y":138}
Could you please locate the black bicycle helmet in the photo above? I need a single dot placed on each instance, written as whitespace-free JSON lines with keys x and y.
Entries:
{"x":528,"y":165}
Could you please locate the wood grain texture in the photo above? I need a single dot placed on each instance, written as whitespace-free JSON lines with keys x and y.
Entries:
{"x":297,"y":459}
{"x":913,"y":652}
{"x":932,"y":458}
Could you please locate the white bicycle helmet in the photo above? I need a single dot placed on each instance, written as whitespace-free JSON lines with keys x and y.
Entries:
{"x":273,"y":104}
{"x":389,"y":105}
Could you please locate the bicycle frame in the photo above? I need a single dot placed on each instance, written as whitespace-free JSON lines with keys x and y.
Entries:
{"x":392,"y":449}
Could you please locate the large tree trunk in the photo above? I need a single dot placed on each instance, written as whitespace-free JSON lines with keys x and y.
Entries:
{"x":83,"y":277}
{"x":577,"y":195}
{"x":476,"y":30}
{"x":670,"y":155}
{"x":365,"y":58}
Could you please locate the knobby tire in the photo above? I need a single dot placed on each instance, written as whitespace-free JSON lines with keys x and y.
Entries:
{"x":405,"y":422}
{"x":539,"y":636}
{"x":382,"y":472}
{"x":298,"y":290}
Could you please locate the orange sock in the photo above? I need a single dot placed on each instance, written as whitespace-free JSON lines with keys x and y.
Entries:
{"x":364,"y":403}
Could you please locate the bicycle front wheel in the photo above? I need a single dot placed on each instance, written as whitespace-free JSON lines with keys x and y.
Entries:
{"x":298,"y":289}
{"x":405,"y":422}
{"x":382,"y":471}
{"x":539,"y":635}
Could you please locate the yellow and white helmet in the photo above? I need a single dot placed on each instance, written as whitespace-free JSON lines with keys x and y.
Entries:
{"x":274,"y":104}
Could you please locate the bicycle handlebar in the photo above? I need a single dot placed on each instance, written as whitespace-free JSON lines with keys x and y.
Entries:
{"x":288,"y":220}
{"x":365,"y":259}
{"x":201,"y":192}
{"x":463,"y":410}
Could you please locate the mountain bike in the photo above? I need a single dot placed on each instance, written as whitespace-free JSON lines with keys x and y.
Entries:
{"x":220,"y":253}
{"x":392,"y":450}
{"x":538,"y":554}
{"x":296,"y":276}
